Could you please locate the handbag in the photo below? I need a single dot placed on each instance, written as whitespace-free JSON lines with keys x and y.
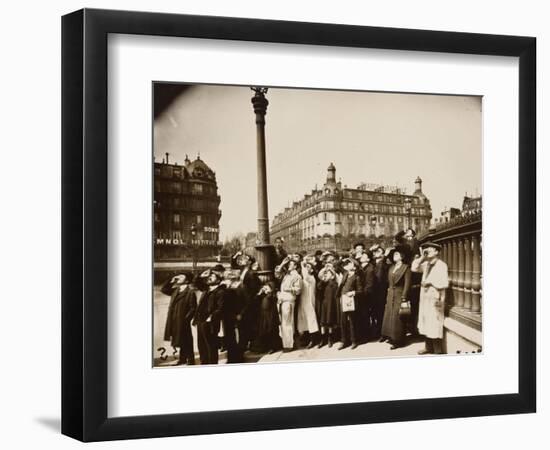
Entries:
{"x":405,"y":309}
{"x":348,"y":303}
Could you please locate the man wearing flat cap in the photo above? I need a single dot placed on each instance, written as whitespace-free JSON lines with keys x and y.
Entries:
{"x":435,"y":281}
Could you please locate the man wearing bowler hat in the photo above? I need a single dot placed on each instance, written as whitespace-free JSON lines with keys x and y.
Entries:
{"x":348,"y":295}
{"x":435,"y":281}
{"x":209,"y":315}
{"x":183,"y":304}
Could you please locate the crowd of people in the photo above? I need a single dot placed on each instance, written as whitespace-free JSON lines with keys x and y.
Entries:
{"x":387,"y":295}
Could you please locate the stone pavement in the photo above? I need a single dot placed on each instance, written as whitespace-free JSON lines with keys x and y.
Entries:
{"x":166,"y":356}
{"x":368,"y":350}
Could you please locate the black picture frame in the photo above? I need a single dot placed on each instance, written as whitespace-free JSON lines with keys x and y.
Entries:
{"x":84,"y":224}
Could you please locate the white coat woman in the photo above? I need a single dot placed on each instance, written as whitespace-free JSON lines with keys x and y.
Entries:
{"x":291,"y":286}
{"x":307,"y":319}
{"x":435,"y":281}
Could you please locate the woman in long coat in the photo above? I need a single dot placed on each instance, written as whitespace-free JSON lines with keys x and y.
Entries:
{"x":327,"y":306}
{"x":306,"y":318}
{"x":399,"y":283}
{"x":290,"y":289}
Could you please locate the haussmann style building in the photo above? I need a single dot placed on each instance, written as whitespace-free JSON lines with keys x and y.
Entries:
{"x":186,"y":211}
{"x":335,"y":217}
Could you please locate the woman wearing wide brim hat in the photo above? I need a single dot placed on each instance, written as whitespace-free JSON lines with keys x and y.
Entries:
{"x":397,"y":298}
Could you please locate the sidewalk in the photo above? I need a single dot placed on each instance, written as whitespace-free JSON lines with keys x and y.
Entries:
{"x":368,"y":350}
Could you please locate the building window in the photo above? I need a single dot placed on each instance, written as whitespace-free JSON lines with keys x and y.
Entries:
{"x":176,"y":219}
{"x":157,"y":217}
{"x":361,"y":217}
{"x":198,"y":219}
{"x":197,"y":188}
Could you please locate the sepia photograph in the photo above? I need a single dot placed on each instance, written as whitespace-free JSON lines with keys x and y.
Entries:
{"x":295,"y":225}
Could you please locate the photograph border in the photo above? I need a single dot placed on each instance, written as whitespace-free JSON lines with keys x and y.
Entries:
{"x":85,"y":232}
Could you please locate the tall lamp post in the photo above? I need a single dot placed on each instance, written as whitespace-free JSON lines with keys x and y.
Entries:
{"x":408,"y":209}
{"x":264,"y":250}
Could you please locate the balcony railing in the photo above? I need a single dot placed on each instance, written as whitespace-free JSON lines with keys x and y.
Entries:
{"x":461,"y":239}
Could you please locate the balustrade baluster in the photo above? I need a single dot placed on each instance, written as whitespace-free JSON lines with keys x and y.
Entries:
{"x":454,"y":276}
{"x":476,"y":275}
{"x":467,"y":273}
{"x":447,"y":257}
{"x":460,"y":275}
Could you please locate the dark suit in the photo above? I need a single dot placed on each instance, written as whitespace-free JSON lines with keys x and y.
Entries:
{"x":348,"y":320}
{"x":181,"y":310}
{"x":250,"y":312}
{"x":368,"y":300}
{"x":233,"y":305}
{"x":380,"y":291}
{"x":280,"y":255}
{"x":207,"y":319}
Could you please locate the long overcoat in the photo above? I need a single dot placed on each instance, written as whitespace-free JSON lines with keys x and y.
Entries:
{"x":183,"y":304}
{"x":399,"y":282}
{"x":432,"y":298}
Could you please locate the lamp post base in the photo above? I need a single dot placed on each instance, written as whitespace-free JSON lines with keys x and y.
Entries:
{"x":265,"y":255}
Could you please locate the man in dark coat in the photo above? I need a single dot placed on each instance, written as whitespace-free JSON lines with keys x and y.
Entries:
{"x":248,"y":316}
{"x":380,"y":288}
{"x":368,"y":275}
{"x":183,"y":304}
{"x":280,"y":252}
{"x":233,"y":305}
{"x":208,"y":317}
{"x":351,"y":286}
{"x":408,"y":238}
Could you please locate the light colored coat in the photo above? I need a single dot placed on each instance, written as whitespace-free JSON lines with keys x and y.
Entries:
{"x":430,"y":315}
{"x":291,"y":286}
{"x":307,"y":319}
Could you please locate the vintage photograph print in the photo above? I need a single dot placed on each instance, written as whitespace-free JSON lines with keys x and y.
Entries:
{"x":313,"y":225}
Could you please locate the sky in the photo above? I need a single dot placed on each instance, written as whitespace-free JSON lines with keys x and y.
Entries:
{"x":388,"y":138}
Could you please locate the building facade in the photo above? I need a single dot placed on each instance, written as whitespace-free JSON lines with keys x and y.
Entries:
{"x":335,"y":217}
{"x":186,"y":211}
{"x":471,"y":205}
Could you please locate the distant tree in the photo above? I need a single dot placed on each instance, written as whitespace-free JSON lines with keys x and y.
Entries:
{"x":232,"y":244}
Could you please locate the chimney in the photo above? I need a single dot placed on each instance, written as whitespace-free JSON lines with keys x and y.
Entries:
{"x":167,"y":162}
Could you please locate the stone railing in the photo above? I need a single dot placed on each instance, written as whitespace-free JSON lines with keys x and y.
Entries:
{"x":461,"y":241}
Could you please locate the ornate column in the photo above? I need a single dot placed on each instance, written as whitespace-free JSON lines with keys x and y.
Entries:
{"x":448,"y":258}
{"x":467,"y":274}
{"x":264,"y":250}
{"x":454,"y":272}
{"x":476,"y":275}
